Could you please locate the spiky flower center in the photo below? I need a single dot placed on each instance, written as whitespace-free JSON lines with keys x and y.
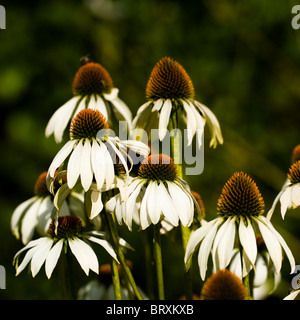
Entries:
{"x":223,"y":285}
{"x":40,"y":187}
{"x":169,"y":80}
{"x":294,"y":173}
{"x":92,"y":78}
{"x":158,"y":167}
{"x":240,"y":197}
{"x":67,"y":227}
{"x":87,"y":123}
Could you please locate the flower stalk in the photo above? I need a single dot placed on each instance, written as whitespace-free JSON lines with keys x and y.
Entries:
{"x":158,"y":262}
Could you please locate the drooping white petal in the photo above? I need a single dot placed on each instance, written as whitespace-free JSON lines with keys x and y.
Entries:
{"x":285,"y":200}
{"x":167,"y":206}
{"x":137,"y":146}
{"x":106,"y":245}
{"x":191,"y":121}
{"x":164,"y":118}
{"x":40,"y":256}
{"x":73,"y":168}
{"x":97,"y":164}
{"x":296,"y":195}
{"x":144,"y":216}
{"x":153,"y":203}
{"x":86,"y":174}
{"x":81,"y":106}
{"x":100,"y":105}
{"x":18,"y":213}
{"x":29,"y":221}
{"x":84,"y":255}
{"x":248,"y":239}
{"x":44,"y":215}
{"x":52,"y":257}
{"x":272,"y":244}
{"x":205,"y":248}
{"x":130,"y":205}
{"x":33,"y":246}
{"x":60,"y":157}
{"x":122,"y":108}
{"x":225,"y":246}
{"x":196,"y":237}
{"x":139,"y":113}
{"x":97,"y":204}
{"x":60,"y":119}
{"x":157,"y":105}
{"x":108,"y":165}
{"x":213,"y":124}
{"x":281,"y":241}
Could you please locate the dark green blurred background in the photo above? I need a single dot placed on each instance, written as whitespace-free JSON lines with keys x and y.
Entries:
{"x":243,"y":58}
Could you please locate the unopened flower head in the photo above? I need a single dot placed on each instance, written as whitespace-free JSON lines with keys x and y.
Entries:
{"x":170,"y":91}
{"x":66,"y":233}
{"x":223,"y":285}
{"x":156,"y":194}
{"x":289,"y":196}
{"x":93,"y":89}
{"x":90,"y":148}
{"x":240,"y":210}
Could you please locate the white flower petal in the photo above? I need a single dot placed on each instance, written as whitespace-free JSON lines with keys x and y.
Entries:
{"x":272,"y":244}
{"x":60,"y":157}
{"x":100,"y":106}
{"x":130,"y":205}
{"x":108,"y":165}
{"x":106,"y":245}
{"x":144,"y":217}
{"x":18,"y":213}
{"x":84,"y":255}
{"x":122,"y":108}
{"x":157,"y":105}
{"x":196,"y":237}
{"x":139,"y":114}
{"x":205,"y":248}
{"x":29,"y":221}
{"x":86,"y":174}
{"x":248,"y":239}
{"x":40,"y":256}
{"x":167,"y":206}
{"x":53,"y":257}
{"x":296,"y":195}
{"x":97,"y":204}
{"x":225,"y":246}
{"x":73,"y":168}
{"x":191,"y":121}
{"x":60,"y":119}
{"x":164,"y":118}
{"x":285,"y":200}
{"x":281,"y":241}
{"x":97,"y":164}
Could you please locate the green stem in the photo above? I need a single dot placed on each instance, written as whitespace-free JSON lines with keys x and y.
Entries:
{"x":185,"y":231}
{"x":148,"y":263}
{"x":66,"y":276}
{"x":116,"y":279}
{"x":115,"y":238}
{"x":158,"y":262}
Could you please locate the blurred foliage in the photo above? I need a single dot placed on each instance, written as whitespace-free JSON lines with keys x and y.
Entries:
{"x":243,"y":58}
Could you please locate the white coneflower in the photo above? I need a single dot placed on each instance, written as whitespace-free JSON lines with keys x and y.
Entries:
{"x":157,"y":193}
{"x":93,"y":151}
{"x":240,"y":209}
{"x":67,"y":234}
{"x":36,"y":213}
{"x":289,"y":196}
{"x":92,"y":88}
{"x":170,"y":90}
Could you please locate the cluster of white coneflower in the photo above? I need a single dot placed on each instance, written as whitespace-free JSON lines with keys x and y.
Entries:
{"x":94,"y":186}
